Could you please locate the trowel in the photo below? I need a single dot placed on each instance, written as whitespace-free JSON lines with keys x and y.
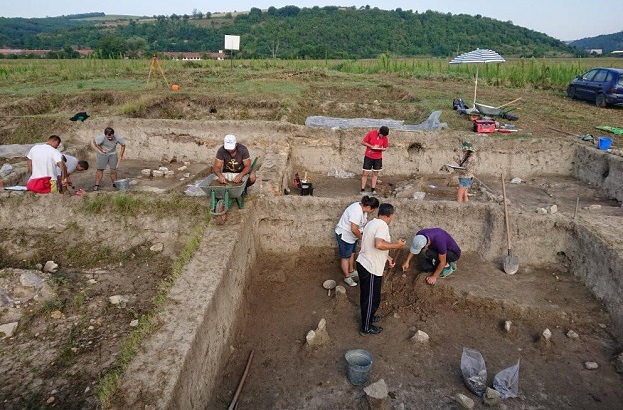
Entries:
{"x":511,"y":263}
{"x":329,"y":284}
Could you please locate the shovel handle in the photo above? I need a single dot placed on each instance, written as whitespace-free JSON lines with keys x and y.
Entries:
{"x":508,"y":230}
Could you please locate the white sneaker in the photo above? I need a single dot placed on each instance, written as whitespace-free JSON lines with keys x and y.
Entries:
{"x":354,"y":274}
{"x":350,"y":282}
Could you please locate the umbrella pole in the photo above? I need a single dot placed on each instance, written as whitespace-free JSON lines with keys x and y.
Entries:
{"x":475,"y":86}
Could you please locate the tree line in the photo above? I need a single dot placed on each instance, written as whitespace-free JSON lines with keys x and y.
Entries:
{"x":289,"y":32}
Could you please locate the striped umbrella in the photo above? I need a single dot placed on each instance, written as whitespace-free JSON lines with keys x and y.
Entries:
{"x":478,"y":56}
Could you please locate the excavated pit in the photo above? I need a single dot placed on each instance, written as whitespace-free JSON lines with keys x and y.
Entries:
{"x":255,"y":281}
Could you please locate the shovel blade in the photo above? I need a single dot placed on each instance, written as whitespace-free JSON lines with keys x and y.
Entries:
{"x":511,"y":264}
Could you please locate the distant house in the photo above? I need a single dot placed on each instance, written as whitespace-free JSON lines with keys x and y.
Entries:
{"x":597,"y":51}
{"x":617,"y":53}
{"x":192,"y":56}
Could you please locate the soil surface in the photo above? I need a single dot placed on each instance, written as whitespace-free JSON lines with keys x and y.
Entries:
{"x":468,"y":309}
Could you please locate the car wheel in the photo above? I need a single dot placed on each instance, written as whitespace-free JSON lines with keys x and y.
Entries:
{"x":600,"y":100}
{"x":571,"y":92}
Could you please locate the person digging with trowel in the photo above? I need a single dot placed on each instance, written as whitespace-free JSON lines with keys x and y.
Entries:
{"x":375,"y":246}
{"x":440,"y":250}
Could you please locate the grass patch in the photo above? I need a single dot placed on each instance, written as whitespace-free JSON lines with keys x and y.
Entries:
{"x":131,"y":205}
{"x":148,"y":323}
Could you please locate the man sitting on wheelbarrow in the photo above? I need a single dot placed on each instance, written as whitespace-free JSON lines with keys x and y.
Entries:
{"x":233,"y":162}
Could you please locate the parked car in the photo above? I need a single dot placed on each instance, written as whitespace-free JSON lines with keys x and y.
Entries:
{"x":603,"y":86}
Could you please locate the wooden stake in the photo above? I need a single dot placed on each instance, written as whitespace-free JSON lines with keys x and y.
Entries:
{"x":234,"y":401}
{"x":577,"y":203}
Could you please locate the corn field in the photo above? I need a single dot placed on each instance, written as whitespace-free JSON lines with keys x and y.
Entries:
{"x":550,"y":73}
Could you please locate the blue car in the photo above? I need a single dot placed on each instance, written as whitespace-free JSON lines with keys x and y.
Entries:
{"x":603,"y":86}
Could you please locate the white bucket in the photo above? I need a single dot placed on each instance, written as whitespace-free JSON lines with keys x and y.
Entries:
{"x":122,"y":184}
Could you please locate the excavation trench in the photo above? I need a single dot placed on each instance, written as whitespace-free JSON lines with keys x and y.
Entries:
{"x":255,"y":282}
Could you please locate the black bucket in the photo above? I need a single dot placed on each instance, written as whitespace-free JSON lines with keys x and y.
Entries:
{"x":307,"y":188}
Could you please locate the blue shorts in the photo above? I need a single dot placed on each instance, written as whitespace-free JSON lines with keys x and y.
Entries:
{"x":466,"y":182}
{"x":345,"y":249}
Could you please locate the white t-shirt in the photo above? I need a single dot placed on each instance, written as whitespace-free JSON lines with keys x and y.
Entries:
{"x":71,"y":164}
{"x":370,"y":257}
{"x":44,"y":158}
{"x":353,"y":214}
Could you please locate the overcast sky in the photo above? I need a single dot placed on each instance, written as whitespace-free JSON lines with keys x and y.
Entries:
{"x":562,"y":19}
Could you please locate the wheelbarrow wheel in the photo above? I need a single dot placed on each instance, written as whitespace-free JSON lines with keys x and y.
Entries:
{"x":220,"y":210}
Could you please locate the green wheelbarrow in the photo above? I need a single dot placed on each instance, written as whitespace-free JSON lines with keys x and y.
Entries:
{"x":223,"y":196}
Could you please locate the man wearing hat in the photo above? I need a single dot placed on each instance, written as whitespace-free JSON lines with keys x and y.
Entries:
{"x":233,"y":162}
{"x":468,"y":164}
{"x":440,"y":250}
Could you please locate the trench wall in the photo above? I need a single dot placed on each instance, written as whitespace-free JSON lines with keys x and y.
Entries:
{"x":601,"y":169}
{"x":179,"y":364}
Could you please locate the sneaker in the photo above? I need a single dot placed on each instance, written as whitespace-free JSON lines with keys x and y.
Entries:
{"x":362,"y":190}
{"x":453,"y":266}
{"x":373,"y":192}
{"x":96,"y":188}
{"x":372,"y":330}
{"x":376,"y":319}
{"x":350,"y":282}
{"x":354,"y":274}
{"x":446,"y":272}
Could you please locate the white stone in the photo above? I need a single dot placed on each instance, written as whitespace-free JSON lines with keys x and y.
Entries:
{"x":157,"y":174}
{"x":516,"y":180}
{"x":319,"y":336}
{"x":418,"y":196}
{"x":134,"y":323}
{"x":186,"y":175}
{"x":157,"y":247}
{"x":50,"y":266}
{"x":507,"y":326}
{"x":146,"y":172}
{"x":553,"y":209}
{"x":378,"y":390}
{"x":541,"y":211}
{"x":420,"y":337}
{"x":118,"y":300}
{"x":591,"y":365}
{"x":492,"y":397}
{"x":8,"y":329}
{"x":163,"y":169}
{"x":572,"y":335}
{"x":91,"y":281}
{"x":182,"y":168}
{"x":547,"y":334}
{"x":464,"y":401}
{"x":169,"y":174}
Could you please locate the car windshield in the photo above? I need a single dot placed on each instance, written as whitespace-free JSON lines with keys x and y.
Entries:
{"x":620,"y":82}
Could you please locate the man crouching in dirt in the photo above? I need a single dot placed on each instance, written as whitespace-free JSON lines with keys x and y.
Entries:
{"x":375,"y":246}
{"x":440,"y":250}
{"x":233,"y":162}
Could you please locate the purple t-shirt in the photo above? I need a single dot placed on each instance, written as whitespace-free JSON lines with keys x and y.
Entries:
{"x":440,"y":241}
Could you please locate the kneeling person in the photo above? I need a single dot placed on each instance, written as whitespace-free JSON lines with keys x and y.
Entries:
{"x":441,"y":252}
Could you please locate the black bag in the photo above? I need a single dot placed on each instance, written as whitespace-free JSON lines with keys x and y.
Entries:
{"x":458,"y":104}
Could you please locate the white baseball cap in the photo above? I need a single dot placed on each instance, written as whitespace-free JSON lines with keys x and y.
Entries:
{"x":419,"y":242}
{"x":229,"y":142}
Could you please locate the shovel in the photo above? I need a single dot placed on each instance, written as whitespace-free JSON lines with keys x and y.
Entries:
{"x":329,"y":285}
{"x":511,"y":263}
